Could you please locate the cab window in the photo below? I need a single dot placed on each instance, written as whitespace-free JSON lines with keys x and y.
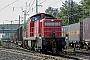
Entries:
{"x":36,"y":18}
{"x":52,"y":23}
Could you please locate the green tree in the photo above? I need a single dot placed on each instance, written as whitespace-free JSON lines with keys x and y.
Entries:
{"x":63,"y":13}
{"x":70,"y":13}
{"x":86,"y":8}
{"x":52,"y":11}
{"x":24,"y":26}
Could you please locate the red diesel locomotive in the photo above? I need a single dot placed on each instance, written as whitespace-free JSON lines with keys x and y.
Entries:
{"x":44,"y":33}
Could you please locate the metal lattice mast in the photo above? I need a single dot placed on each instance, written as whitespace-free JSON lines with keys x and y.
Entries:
{"x":36,"y":6}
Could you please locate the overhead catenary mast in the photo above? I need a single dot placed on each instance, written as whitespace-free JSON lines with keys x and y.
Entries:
{"x":36,"y":6}
{"x":70,"y":11}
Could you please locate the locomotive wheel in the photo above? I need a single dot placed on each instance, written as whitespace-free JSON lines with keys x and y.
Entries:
{"x":54,"y":50}
{"x":59,"y":52}
{"x":39,"y":50}
{"x":44,"y":51}
{"x":86,"y":47}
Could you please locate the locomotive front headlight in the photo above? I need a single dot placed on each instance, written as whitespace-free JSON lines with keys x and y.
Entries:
{"x":52,"y":20}
{"x":40,"y":37}
{"x":66,"y":38}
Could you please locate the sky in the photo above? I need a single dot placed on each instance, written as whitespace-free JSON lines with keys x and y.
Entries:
{"x":8,"y":14}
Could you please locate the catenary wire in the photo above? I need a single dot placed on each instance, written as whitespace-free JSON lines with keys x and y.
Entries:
{"x":9,"y":5}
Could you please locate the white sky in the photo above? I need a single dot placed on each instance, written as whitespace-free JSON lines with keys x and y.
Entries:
{"x":7,"y":13}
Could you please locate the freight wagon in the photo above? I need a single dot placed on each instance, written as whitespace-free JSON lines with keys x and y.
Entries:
{"x":86,"y":32}
{"x":75,"y":34}
{"x":19,"y":38}
{"x":14,"y":37}
{"x":79,"y":34}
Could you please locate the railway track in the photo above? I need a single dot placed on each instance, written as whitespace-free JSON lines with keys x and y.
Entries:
{"x":81,"y":54}
{"x":78,"y":55}
{"x":30,"y":56}
{"x":34,"y":55}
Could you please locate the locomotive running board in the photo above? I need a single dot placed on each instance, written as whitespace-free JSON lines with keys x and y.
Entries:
{"x":30,"y":38}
